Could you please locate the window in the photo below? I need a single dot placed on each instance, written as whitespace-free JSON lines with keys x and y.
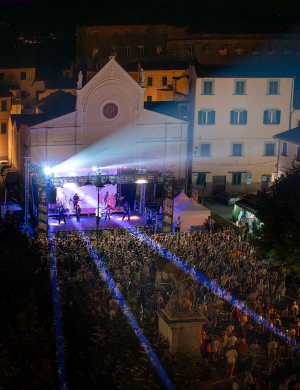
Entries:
{"x":23,"y":75}
{"x":287,"y":49}
{"x":272,"y":117}
{"x":236,"y":178}
{"x":236,"y":149}
{"x":207,"y":87}
{"x":255,"y":49}
{"x":269,"y":149}
{"x":273,"y":87}
{"x":128,"y":51}
{"x":240,"y":87}
{"x":141,"y":50}
{"x":206,"y":117}
{"x":150,"y":81}
{"x":128,"y":32}
{"x":164,"y":81}
{"x":223,"y":50}
{"x":3,"y":128}
{"x":201,"y":179}
{"x":298,"y":154}
{"x":271,"y":49}
{"x":115,"y":32}
{"x":142,"y":32}
{"x":159,"y":50}
{"x":1,"y":76}
{"x":190,"y":50}
{"x":184,"y":111}
{"x":114,"y":51}
{"x":160,"y":31}
{"x":284,"y":149}
{"x":95,"y":51}
{"x":238,"y":117}
{"x":96,"y":33}
{"x":149,"y":98}
{"x":204,"y":150}
{"x":3,"y":105}
{"x":23,"y":94}
{"x":206,"y":50}
{"x":239,"y":50}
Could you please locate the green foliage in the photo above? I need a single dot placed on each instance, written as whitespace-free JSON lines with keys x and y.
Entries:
{"x":279,"y":211}
{"x":224,"y":222}
{"x":27,"y":339}
{"x":235,"y":215}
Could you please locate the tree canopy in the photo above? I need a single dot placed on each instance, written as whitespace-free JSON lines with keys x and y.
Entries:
{"x":279,"y":211}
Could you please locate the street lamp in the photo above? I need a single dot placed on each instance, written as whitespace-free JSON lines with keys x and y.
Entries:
{"x":99,"y":184}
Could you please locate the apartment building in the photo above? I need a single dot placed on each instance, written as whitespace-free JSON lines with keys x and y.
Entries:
{"x":236,"y":111}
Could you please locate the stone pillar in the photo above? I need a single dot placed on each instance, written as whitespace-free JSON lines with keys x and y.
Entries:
{"x":182,"y":333}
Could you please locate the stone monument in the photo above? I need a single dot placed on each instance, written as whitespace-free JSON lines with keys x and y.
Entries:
{"x":142,"y":78}
{"x":180,"y":322}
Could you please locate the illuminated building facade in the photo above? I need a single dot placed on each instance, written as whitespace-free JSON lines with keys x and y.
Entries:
{"x":236,"y":111}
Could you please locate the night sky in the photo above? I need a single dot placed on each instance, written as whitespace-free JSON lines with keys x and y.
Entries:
{"x":40,"y":18}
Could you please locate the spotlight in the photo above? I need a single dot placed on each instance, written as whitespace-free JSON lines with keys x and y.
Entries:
{"x":141,"y":181}
{"x":47,"y":170}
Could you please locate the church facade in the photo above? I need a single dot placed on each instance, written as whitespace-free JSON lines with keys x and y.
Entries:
{"x":110,"y":126}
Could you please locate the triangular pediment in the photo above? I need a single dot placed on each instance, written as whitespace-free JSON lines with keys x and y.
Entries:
{"x":61,"y":121}
{"x":154,"y":117}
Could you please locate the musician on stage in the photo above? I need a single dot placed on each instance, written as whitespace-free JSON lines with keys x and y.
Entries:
{"x":107,"y":212}
{"x":61,"y":211}
{"x":78,"y":211}
{"x":117,"y":200}
{"x":75,"y":201}
{"x":126,"y":211}
{"x":106,"y":199}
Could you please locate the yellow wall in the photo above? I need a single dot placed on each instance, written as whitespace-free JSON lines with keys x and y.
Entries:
{"x":182,"y":85}
{"x":4,"y":118}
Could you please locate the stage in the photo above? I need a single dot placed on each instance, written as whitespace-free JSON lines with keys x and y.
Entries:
{"x":89,"y":222}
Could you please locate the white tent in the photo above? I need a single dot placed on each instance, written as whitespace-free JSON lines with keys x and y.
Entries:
{"x":191,"y":214}
{"x":180,"y":199}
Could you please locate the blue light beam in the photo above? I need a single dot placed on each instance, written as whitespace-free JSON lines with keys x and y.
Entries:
{"x":57,"y":321}
{"x":132,"y":321}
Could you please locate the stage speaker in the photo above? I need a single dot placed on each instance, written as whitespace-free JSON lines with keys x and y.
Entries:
{"x":158,"y":190}
{"x":52,"y":195}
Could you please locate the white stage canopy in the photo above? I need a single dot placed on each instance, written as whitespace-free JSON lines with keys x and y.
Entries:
{"x":191,"y":214}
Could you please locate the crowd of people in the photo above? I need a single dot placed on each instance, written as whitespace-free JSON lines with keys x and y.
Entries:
{"x":230,"y":338}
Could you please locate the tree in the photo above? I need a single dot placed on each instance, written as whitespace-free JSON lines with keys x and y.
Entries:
{"x":279,"y":211}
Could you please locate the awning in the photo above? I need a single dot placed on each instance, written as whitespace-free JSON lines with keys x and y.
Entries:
{"x":244,"y":206}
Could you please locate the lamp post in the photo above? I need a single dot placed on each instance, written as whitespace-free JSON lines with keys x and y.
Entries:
{"x":99,"y":184}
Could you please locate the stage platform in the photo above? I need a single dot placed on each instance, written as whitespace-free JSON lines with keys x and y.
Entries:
{"x":89,"y":222}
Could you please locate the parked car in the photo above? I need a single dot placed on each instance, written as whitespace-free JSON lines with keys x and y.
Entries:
{"x":227,"y":198}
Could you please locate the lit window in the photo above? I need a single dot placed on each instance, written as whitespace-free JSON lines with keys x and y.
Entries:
{"x":239,"y":50}
{"x":255,"y":49}
{"x":206,"y":117}
{"x":238,"y":117}
{"x":272,"y":117}
{"x":223,"y":50}
{"x":95,"y":51}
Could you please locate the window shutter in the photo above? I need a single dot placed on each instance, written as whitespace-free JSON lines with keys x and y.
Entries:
{"x":200,"y":117}
{"x":244,"y":117}
{"x":232,"y":117}
{"x":212,"y":117}
{"x":278,"y":114}
{"x":265,"y":117}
